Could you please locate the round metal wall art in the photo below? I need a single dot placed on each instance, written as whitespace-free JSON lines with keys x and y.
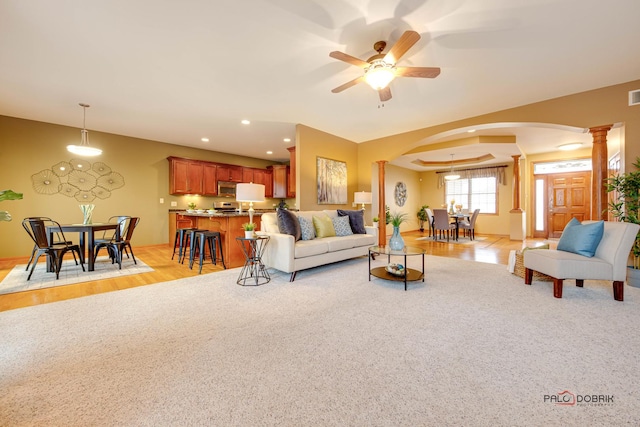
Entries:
{"x":400,"y":193}
{"x":79,"y":179}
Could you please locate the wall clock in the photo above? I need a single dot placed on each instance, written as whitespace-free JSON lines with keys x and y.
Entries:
{"x":400,"y":193}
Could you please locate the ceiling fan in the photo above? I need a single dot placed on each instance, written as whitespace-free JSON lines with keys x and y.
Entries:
{"x":380,"y":69}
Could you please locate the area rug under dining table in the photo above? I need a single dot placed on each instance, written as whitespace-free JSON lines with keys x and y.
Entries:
{"x":70,"y":273}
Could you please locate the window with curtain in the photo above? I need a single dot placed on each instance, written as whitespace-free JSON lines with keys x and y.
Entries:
{"x":477,"y":188}
{"x":474,"y":193}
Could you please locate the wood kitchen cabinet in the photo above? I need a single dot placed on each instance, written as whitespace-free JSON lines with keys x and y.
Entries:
{"x":291,"y":183}
{"x":229,"y":173}
{"x":185,"y":176}
{"x":209,"y":179}
{"x":279,"y":181}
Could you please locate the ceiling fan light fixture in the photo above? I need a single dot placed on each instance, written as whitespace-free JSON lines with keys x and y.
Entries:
{"x":379,"y":75}
{"x":84,"y":149}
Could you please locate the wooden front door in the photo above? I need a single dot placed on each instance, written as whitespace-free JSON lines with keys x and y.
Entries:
{"x":569,"y":196}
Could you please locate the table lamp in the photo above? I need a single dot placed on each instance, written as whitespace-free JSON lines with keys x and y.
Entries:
{"x":362,"y":197}
{"x":250,"y":193}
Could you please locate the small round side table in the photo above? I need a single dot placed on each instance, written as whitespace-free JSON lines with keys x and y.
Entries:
{"x":253,"y":270}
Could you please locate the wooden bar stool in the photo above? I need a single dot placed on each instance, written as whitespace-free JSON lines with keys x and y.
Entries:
{"x":202,"y":240}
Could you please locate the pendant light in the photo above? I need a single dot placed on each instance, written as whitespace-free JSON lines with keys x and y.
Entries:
{"x":451,"y":176}
{"x":84,"y":149}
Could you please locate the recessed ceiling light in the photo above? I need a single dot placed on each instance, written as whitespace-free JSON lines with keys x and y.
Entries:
{"x":245,"y":122}
{"x":287,"y":140}
{"x":570,"y":146}
{"x":471,"y":130}
{"x":269,"y":152}
{"x":204,"y":139}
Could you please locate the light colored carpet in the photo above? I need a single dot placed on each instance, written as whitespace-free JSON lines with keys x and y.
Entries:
{"x":471,"y":346}
{"x":16,"y":280}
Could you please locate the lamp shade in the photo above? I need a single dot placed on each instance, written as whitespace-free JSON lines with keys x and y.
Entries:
{"x":362,"y":197}
{"x":250,"y":192}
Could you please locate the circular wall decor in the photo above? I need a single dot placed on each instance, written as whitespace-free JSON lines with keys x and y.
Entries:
{"x":400,"y":193}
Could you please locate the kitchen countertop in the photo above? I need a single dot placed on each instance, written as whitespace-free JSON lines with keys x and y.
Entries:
{"x":219,"y":214}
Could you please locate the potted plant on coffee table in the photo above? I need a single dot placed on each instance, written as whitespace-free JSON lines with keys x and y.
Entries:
{"x":396,"y":242}
{"x":625,"y":206}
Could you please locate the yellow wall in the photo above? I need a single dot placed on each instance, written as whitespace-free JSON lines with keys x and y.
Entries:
{"x":29,"y":147}
{"x":313,"y":143}
{"x":597,"y":107}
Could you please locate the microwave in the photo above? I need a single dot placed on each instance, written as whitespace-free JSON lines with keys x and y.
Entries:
{"x":226,"y":189}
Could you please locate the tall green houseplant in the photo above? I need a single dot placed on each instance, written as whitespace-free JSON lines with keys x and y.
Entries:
{"x":626,"y":203}
{"x":8,"y":195}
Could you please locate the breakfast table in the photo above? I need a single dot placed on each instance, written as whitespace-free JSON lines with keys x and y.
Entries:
{"x":87,"y":233}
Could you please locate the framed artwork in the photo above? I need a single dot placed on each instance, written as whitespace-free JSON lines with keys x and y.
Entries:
{"x":331,"y":181}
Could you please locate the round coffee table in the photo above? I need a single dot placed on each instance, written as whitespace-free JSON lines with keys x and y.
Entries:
{"x":411,"y":275}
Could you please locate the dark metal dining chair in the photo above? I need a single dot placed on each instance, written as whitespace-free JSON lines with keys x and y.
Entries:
{"x":120,"y":241}
{"x":38,"y":229}
{"x":57,"y":240}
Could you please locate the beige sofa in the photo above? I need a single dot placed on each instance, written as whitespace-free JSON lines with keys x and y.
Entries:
{"x":286,"y":254}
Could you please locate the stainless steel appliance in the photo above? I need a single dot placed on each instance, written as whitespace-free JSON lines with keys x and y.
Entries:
{"x":225,"y":206}
{"x":226,"y":189}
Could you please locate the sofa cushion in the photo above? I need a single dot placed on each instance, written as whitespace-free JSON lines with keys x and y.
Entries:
{"x":306,"y":248}
{"x":340,"y":243}
{"x":288,"y":223}
{"x":342,"y":226}
{"x":356,"y":220}
{"x":323,"y":226}
{"x":581,"y":239}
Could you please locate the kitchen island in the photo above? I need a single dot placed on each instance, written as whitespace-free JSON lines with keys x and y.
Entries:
{"x":229,"y":224}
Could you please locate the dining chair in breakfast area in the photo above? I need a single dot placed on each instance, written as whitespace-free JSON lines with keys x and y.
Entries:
{"x":441,"y":224}
{"x":57,"y":240}
{"x":470,"y":225}
{"x":38,"y":229}
{"x":120,"y":241}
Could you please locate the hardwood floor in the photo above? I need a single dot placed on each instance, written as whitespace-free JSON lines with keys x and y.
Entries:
{"x":487,"y":248}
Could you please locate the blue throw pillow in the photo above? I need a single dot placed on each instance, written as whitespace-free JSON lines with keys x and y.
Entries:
{"x":581,"y":239}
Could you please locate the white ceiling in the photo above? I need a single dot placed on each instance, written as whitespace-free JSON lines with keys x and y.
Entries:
{"x":178,"y":71}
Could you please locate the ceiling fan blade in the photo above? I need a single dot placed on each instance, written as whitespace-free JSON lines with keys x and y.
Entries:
{"x":348,"y":84}
{"x":408,"y":39}
{"x":385,"y":94}
{"x":426,"y":72}
{"x":349,"y":59}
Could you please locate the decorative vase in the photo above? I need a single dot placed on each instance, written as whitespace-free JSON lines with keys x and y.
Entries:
{"x":396,"y":242}
{"x":87,"y":213}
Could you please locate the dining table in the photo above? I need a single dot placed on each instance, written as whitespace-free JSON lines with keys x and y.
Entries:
{"x":459,"y":216}
{"x":87,"y":236}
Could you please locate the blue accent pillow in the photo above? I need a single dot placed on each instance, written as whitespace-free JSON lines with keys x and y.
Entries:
{"x":342,"y":226}
{"x":581,"y":239}
{"x":306,"y":229}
